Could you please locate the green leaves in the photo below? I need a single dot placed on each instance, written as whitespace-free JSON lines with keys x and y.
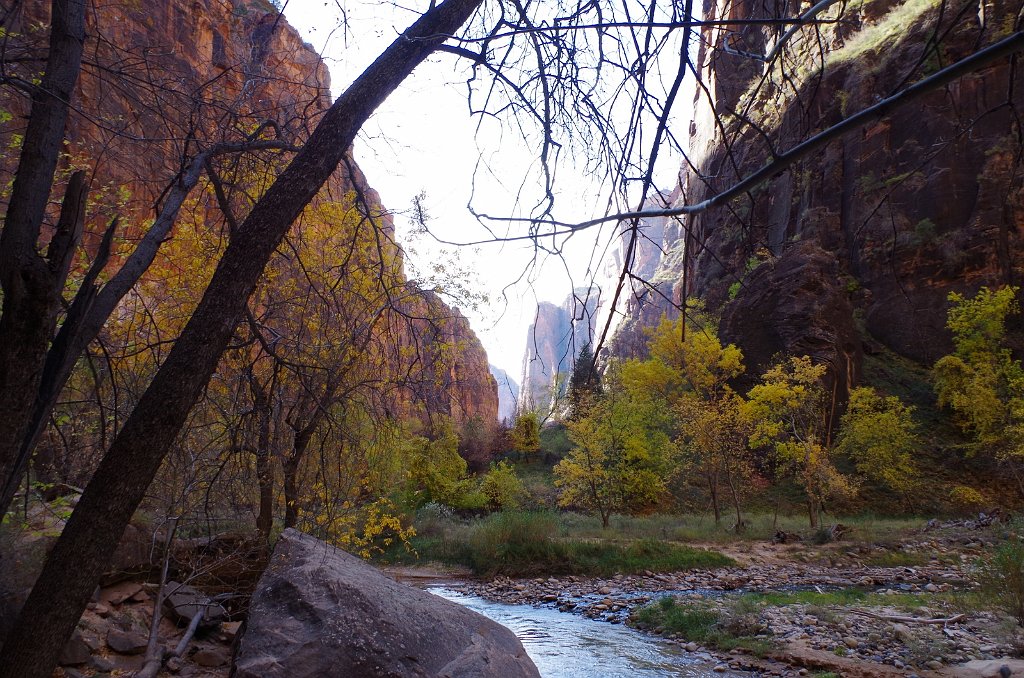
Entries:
{"x":879,"y":434}
{"x":980,"y":381}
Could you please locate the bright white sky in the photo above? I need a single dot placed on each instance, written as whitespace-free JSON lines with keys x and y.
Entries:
{"x":424,"y":140}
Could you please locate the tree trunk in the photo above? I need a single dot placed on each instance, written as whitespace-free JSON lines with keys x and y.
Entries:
{"x":291,"y":493}
{"x":265,"y":478}
{"x":264,"y":460}
{"x":736,"y":504}
{"x":31,"y":284}
{"x":126,"y":471}
{"x":605,"y":518}
{"x":713,"y":489}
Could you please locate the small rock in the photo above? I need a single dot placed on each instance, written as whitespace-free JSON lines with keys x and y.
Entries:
{"x":123,"y":596}
{"x":931,"y":588}
{"x":102,"y":664}
{"x":903,"y":632}
{"x":210,"y":657}
{"x":101,"y":610}
{"x":851,"y":642}
{"x":230,"y":630}
{"x":173,"y":664}
{"x":691,"y":647}
{"x":604,"y":590}
{"x":126,"y":642}
{"x":934,"y":665}
{"x":720,"y":668}
{"x":75,"y":652}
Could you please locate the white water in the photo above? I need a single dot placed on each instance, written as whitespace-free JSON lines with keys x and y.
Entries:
{"x":564,"y":645}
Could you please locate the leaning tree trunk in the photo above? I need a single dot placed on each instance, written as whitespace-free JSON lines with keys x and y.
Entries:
{"x":31,"y":283}
{"x":126,"y":471}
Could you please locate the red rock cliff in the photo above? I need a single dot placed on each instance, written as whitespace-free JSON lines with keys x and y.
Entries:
{"x":162,"y":81}
{"x":865,"y":239}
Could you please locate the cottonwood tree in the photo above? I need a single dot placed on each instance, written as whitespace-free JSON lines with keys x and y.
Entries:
{"x":537,"y":61}
{"x":36,"y":356}
{"x":120,"y":482}
{"x":790,"y":416}
{"x":621,"y":454}
{"x":981,"y":381}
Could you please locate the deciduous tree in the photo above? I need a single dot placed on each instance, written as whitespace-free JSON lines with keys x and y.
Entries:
{"x":789,"y":414}
{"x":981,"y":381}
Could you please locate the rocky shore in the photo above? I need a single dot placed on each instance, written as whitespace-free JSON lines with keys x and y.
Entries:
{"x":908,"y":623}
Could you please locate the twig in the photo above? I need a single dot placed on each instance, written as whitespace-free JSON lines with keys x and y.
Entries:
{"x":910,"y":620}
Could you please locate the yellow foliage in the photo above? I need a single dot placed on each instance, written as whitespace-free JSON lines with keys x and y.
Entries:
{"x":879,"y":434}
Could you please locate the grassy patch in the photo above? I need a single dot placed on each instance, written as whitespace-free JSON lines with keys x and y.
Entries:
{"x":528,"y":543}
{"x":733,"y":628}
{"x":897,"y":559}
{"x":691,"y":527}
{"x":884,"y":34}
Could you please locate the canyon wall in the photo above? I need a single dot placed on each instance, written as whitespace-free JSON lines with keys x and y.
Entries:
{"x":508,"y":393}
{"x":553,"y":341}
{"x":164,"y":81}
{"x":856,"y":246}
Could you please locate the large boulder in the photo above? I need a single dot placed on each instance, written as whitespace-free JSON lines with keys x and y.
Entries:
{"x":318,"y":611}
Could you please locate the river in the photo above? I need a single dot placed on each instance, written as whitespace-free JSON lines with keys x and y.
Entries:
{"x":564,"y":645}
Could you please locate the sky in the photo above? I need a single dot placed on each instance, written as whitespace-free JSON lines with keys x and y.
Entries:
{"x":423,"y":141}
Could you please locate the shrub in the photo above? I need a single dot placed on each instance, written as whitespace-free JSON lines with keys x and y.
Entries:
{"x":508,"y":540}
{"x":502,"y":487}
{"x":1002,"y":578}
{"x":966,"y":498}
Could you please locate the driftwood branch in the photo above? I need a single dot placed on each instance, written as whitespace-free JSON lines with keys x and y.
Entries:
{"x":154,"y":653}
{"x":910,"y":620}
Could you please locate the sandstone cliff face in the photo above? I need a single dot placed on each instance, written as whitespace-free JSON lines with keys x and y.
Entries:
{"x":163,"y":81}
{"x":636,"y":308}
{"x":450,"y":375}
{"x":552,"y":344}
{"x":867,"y":238}
{"x":508,"y":393}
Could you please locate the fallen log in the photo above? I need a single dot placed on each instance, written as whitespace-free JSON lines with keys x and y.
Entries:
{"x":910,"y":620}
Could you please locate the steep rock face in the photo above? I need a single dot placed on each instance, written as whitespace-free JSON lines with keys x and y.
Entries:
{"x":552,"y":344}
{"x":453,"y":377}
{"x":508,"y":393}
{"x":318,"y":611}
{"x":814,"y":316}
{"x":178,"y":77}
{"x":637,"y":307}
{"x":926,"y":201}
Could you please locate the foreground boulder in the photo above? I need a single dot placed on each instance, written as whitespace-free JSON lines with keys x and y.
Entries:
{"x":318,"y":611}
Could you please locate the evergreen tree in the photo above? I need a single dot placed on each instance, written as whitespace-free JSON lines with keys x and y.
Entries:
{"x":585,"y":382}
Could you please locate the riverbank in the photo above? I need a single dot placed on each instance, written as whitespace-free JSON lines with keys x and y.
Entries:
{"x":854,"y":608}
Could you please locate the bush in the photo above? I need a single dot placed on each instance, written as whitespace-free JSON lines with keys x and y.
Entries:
{"x":1002,"y":578}
{"x":966,"y":498}
{"x":511,"y":541}
{"x":502,"y":487}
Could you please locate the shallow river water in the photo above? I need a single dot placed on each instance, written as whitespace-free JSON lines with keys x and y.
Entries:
{"x":564,"y":645}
